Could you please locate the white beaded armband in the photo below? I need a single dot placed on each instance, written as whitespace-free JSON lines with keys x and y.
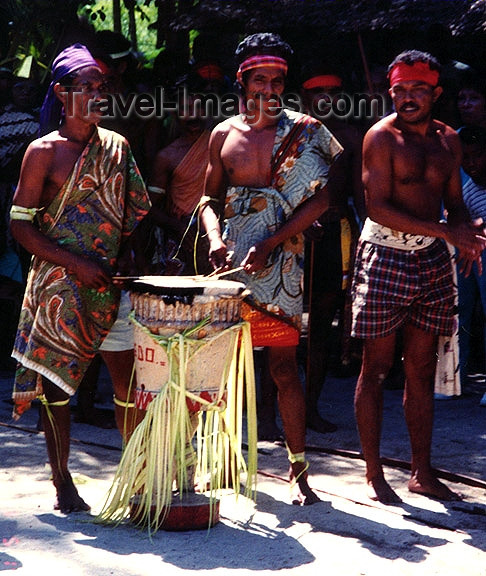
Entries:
{"x":23,"y":213}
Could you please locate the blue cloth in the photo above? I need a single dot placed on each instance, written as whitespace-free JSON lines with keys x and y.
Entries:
{"x":474,"y":286}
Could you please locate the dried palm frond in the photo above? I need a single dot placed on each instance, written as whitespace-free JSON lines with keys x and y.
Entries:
{"x":160,"y":454}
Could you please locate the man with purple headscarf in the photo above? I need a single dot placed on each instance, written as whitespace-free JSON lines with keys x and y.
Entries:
{"x":80,"y":196}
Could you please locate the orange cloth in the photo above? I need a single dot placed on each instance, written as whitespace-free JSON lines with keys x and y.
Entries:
{"x":187,"y":183}
{"x":267,"y":329}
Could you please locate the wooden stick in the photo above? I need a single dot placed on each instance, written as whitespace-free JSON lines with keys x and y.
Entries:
{"x":215,"y":276}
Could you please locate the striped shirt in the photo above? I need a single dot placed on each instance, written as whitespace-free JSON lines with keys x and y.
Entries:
{"x":474,"y":197}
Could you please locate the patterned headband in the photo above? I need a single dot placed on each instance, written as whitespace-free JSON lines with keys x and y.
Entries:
{"x":261,"y":61}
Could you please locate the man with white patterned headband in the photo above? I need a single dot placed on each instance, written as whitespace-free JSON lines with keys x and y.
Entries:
{"x":267,"y":174}
{"x":403,"y":272}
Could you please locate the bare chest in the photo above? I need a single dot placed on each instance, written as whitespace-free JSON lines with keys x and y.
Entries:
{"x":63,"y":162}
{"x":427,"y":161}
{"x":247,"y":156}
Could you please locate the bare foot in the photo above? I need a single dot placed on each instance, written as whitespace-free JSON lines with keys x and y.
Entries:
{"x":430,"y":486}
{"x":301,"y":495}
{"x":68,"y":500}
{"x":320,"y":425}
{"x":380,"y":491}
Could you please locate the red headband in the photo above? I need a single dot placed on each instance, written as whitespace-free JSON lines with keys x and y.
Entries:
{"x":418,"y":72}
{"x":261,"y":61}
{"x":210,"y":72}
{"x":323,"y":81}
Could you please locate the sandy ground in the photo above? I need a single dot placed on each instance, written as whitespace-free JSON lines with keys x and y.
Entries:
{"x":345,"y":534}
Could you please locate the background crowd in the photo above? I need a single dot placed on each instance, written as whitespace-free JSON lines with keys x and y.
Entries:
{"x":173,"y":168}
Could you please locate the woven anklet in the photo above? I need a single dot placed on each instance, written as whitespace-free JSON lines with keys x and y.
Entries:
{"x":297,"y":457}
{"x":123,"y":403}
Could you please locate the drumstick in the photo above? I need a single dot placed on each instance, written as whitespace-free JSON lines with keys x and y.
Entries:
{"x":215,"y":276}
{"x":125,"y":278}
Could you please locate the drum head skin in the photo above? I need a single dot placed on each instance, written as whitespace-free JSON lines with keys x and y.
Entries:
{"x":185,"y":287}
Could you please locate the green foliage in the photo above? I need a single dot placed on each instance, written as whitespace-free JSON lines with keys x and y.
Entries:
{"x":100,"y":14}
{"x":35,"y":27}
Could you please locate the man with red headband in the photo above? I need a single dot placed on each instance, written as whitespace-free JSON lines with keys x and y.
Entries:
{"x":268,"y":167}
{"x":403,"y":273}
{"x":332,"y":239}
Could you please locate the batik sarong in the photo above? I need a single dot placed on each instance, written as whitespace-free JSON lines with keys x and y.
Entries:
{"x":184,"y":251}
{"x":187,"y":182}
{"x":63,"y":322}
{"x":302,"y":153}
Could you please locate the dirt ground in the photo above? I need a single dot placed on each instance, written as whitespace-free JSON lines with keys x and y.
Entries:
{"x":345,"y":534}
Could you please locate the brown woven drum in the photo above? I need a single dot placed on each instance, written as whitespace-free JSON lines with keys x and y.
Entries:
{"x":169,"y":305}
{"x":163,"y":308}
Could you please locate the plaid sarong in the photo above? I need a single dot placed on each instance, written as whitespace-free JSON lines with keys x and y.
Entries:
{"x":393,"y":286}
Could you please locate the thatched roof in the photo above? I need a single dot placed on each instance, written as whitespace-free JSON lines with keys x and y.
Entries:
{"x":337,"y":16}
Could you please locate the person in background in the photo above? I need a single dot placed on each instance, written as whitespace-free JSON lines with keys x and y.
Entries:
{"x":473,"y":286}
{"x":331,"y":239}
{"x":176,"y":185}
{"x":471,"y":101}
{"x":19,"y":125}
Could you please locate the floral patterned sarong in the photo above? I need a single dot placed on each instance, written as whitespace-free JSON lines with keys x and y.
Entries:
{"x":63,"y":323}
{"x":302,"y":153}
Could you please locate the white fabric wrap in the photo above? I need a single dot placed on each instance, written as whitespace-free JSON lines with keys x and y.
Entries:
{"x":384,"y":236}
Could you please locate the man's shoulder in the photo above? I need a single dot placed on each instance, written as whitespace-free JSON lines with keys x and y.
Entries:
{"x":228,"y":124}
{"x":169,"y":156}
{"x":110,"y":136}
{"x":294,"y":117}
{"x":45,"y":145}
{"x":220,"y":132}
{"x":382,"y":130}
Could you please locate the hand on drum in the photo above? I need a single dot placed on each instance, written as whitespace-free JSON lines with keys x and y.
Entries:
{"x":257,"y":257}
{"x":219,"y":256}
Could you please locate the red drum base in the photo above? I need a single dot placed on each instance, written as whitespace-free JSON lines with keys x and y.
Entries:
{"x":192,"y":512}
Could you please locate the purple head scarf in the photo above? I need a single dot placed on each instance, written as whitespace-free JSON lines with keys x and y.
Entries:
{"x":70,"y":60}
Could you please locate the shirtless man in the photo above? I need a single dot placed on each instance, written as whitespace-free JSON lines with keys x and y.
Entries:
{"x":175,"y":186}
{"x":269,"y":168}
{"x":80,"y":195}
{"x":331,"y":239}
{"x":403,"y":274}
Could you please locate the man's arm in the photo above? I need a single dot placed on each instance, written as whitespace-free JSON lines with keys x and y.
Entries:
{"x":33,"y":178}
{"x":301,"y":219}
{"x":158,"y":186}
{"x":213,"y":200}
{"x":459,"y":224}
{"x":378,"y":180}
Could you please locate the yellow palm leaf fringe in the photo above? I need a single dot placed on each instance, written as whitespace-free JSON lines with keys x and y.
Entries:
{"x":160,"y":452}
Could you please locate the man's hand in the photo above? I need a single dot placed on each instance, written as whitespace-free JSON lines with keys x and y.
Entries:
{"x":470,"y":240}
{"x":90,"y":273}
{"x":257,"y":257}
{"x":219,"y":256}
